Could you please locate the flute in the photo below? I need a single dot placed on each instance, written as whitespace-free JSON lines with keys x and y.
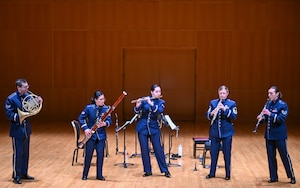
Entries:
{"x":143,"y":98}
{"x":261,"y":118}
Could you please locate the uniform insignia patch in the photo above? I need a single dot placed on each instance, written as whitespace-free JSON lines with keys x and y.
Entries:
{"x":284,"y":112}
{"x":235,"y":110}
{"x":209,"y":109}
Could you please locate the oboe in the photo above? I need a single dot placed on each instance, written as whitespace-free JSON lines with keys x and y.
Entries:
{"x":261,"y":118}
{"x":215,"y":114}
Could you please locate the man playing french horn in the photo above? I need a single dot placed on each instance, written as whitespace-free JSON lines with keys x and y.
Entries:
{"x":18,"y":106}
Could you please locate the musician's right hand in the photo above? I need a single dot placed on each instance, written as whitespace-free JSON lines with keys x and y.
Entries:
{"x":88,"y":132}
{"x":138,"y":102}
{"x":40,"y":99}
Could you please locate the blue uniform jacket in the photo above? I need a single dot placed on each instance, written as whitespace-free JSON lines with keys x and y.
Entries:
{"x":89,"y":116}
{"x":222,"y":126}
{"x":276,"y":127}
{"x":13,"y":102}
{"x":149,"y":119}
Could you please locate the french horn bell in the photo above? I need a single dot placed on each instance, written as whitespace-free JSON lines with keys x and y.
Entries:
{"x":31,"y":105}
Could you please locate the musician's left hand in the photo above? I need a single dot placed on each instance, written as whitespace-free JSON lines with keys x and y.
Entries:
{"x":259,"y":117}
{"x":40,"y":99}
{"x":101,"y":124}
{"x":266,"y":111}
{"x":222,"y":107}
{"x":148,"y":99}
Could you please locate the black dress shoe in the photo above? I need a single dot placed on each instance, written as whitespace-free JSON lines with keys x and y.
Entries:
{"x":147,"y":174}
{"x":209,"y":176}
{"x":167,"y":174}
{"x":17,"y":180}
{"x":84,"y":178}
{"x":101,"y":178}
{"x":227,"y":178}
{"x":293,"y":180}
{"x":27,"y":177}
{"x":272,"y":181}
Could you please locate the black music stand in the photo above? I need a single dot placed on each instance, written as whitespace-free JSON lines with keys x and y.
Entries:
{"x":117,"y":135}
{"x":124,"y":128}
{"x":167,"y":121}
{"x":135,"y":146}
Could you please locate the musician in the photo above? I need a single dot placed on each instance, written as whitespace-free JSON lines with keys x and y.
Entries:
{"x":88,"y":118}
{"x":20,"y":132}
{"x":275,"y":114}
{"x":221,"y":130}
{"x":150,"y":108}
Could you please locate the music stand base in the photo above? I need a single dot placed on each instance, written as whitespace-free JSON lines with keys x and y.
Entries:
{"x":171,"y":164}
{"x":124,"y":164}
{"x":119,"y":152}
{"x":134,"y":155}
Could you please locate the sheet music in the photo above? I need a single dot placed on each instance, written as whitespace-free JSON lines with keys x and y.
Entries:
{"x":128,"y":122}
{"x":170,"y":122}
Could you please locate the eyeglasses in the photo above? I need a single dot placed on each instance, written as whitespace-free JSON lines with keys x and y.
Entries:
{"x":26,"y":86}
{"x":102,"y":99}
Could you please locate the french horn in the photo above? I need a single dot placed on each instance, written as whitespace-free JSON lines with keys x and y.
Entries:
{"x":31,"y":105}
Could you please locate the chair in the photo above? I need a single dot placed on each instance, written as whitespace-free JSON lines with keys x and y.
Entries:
{"x":76,"y":128}
{"x":199,"y":141}
{"x":207,"y":147}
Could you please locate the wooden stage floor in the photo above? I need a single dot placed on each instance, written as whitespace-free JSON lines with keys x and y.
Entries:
{"x":52,"y":145}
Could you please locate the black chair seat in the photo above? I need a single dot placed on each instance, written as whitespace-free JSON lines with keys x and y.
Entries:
{"x":199,"y":144}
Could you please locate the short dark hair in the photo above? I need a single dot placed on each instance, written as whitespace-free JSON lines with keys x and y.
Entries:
{"x":20,"y":82}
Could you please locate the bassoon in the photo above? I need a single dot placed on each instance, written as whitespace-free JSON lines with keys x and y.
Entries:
{"x":103,"y":118}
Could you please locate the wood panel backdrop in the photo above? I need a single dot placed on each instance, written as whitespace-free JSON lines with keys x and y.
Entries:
{"x":67,"y":49}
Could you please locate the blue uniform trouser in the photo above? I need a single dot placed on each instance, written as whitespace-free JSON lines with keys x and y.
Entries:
{"x":226,"y":148}
{"x":20,"y":156}
{"x":285,"y":157}
{"x":158,"y":151}
{"x":89,"y":150}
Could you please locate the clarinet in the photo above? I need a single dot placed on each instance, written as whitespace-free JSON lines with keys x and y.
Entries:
{"x":260,"y":119}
